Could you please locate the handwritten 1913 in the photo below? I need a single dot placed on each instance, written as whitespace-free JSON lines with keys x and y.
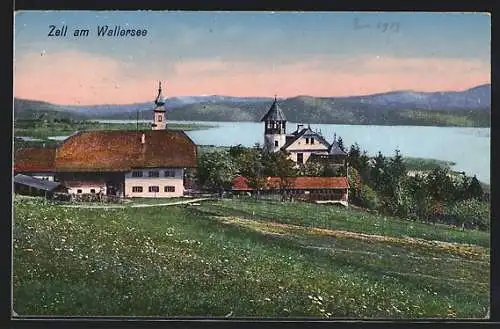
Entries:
{"x":382,"y":26}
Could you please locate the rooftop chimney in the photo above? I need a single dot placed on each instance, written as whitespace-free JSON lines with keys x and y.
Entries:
{"x":143,"y":139}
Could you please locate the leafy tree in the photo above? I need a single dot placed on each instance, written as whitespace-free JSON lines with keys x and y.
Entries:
{"x":250,"y":165}
{"x":312,"y":168}
{"x":419,"y":200}
{"x":471,"y":213}
{"x":440,"y":185}
{"x":236,"y":151}
{"x":474,"y":190}
{"x":216,"y":170}
{"x":354,"y":185}
{"x":278,"y":164}
{"x":368,"y":198}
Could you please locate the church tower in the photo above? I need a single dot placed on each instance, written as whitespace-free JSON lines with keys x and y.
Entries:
{"x":275,"y":127}
{"x":160,"y":117}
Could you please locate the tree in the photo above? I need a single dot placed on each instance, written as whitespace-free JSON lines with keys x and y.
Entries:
{"x":280,"y":165}
{"x":340,"y":143}
{"x":396,"y":173}
{"x":312,"y":168}
{"x":216,"y":170}
{"x":440,"y":185}
{"x":353,"y":156}
{"x":419,"y":199}
{"x":472,"y":213}
{"x":368,"y":197}
{"x":250,"y":166}
{"x":379,"y":174}
{"x":236,"y":151}
{"x":474,"y":190}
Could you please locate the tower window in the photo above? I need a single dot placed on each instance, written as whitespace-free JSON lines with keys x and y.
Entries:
{"x":276,"y":143}
{"x":160,"y":118}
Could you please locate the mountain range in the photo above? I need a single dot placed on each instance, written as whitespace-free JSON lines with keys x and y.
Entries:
{"x":471,"y":107}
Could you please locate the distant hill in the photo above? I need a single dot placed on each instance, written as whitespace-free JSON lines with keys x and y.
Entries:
{"x":471,"y":107}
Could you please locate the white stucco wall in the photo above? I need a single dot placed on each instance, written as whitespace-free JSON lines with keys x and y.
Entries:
{"x":300,"y":146}
{"x":160,"y":125}
{"x":86,"y":188}
{"x":270,"y":139}
{"x":145,"y":182}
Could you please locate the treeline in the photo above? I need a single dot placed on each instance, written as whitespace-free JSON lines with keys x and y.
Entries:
{"x":439,"y":195}
{"x":217,"y":168}
{"x":380,"y":184}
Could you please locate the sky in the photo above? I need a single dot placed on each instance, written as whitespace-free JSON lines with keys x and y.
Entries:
{"x":246,"y":54}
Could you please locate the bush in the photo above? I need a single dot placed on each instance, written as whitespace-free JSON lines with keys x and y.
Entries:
{"x":470,"y":213}
{"x":368,"y":197}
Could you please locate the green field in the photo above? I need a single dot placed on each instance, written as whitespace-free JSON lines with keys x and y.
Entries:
{"x":40,"y":129}
{"x":242,"y":258}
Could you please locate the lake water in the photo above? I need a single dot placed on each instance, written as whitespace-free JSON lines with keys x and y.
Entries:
{"x":469,"y":148}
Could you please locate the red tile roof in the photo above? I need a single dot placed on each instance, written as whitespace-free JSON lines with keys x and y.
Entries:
{"x":116,"y":150}
{"x":297,"y":183}
{"x":34,"y":159}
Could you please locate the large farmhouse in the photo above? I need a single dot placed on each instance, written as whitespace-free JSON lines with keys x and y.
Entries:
{"x":121,"y":163}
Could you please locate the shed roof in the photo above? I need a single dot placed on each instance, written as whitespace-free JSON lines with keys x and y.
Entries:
{"x":37,"y":183}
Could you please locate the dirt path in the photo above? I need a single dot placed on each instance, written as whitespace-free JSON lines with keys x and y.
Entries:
{"x":279,"y":228}
{"x":136,"y":205}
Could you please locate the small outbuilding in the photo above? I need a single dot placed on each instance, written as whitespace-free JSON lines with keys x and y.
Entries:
{"x":28,"y":185}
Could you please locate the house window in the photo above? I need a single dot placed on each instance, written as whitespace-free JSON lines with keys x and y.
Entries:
{"x":136,"y":189}
{"x":312,"y":140}
{"x":154,"y":174}
{"x":155,"y":189}
{"x":169,"y":173}
{"x":92,"y":190}
{"x":169,"y":189}
{"x":307,"y":140}
{"x":137,"y":174}
{"x":300,"y":158}
{"x":79,"y":191}
{"x":276,"y":143}
{"x":160,"y":118}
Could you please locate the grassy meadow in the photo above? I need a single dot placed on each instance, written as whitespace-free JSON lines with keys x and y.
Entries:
{"x":243,"y":258}
{"x":41,"y":129}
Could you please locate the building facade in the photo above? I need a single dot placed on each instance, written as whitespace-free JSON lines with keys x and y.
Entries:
{"x":303,"y":144}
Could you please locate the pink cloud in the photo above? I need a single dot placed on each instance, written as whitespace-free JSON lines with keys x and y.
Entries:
{"x":78,"y":78}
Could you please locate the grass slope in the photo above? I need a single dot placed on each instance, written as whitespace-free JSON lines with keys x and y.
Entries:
{"x":239,"y":258}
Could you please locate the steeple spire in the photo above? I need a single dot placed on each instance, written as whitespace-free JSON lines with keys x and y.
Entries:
{"x":159,"y":113}
{"x":159,"y":101}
